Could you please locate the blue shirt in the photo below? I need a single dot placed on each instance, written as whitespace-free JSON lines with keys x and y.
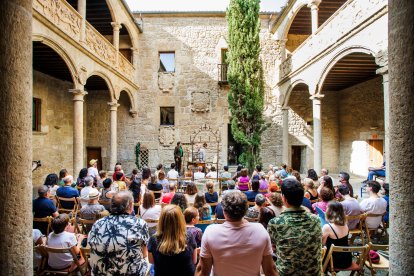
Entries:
{"x":43,"y":207}
{"x":67,"y":192}
{"x":307,"y":203}
{"x":251,"y":195}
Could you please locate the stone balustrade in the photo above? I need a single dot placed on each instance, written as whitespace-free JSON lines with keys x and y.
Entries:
{"x":343,"y":22}
{"x":64,"y":17}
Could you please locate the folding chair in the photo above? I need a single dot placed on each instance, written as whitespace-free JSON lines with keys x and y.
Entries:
{"x":76,"y":267}
{"x":383,"y":263}
{"x":219,"y":221}
{"x":375,"y":230}
{"x":85,"y":226}
{"x":159,"y":193}
{"x":251,"y":203}
{"x":73,"y":200}
{"x":323,"y":252}
{"x":45,"y":220}
{"x":359,"y":231}
{"x":356,"y":267}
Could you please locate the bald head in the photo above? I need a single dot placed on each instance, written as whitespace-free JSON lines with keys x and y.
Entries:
{"x":121,"y":203}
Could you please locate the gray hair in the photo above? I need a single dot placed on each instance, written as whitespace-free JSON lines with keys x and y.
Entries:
{"x":234,"y":205}
{"x":68,"y":179}
{"x":121,"y":203}
{"x":89,"y":181}
{"x":42,"y":191}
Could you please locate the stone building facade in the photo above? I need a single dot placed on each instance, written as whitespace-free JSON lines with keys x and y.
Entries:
{"x":120,"y":95}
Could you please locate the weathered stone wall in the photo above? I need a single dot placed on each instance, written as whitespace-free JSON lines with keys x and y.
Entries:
{"x":53,"y":144}
{"x":97,"y":124}
{"x":361,"y":108}
{"x":294,"y":40}
{"x":330,"y":131}
{"x":300,"y":133}
{"x":192,"y":89}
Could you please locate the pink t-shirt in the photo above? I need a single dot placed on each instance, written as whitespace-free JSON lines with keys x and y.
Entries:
{"x":237,"y":248}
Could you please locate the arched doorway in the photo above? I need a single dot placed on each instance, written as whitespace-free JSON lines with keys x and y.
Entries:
{"x":52,"y":122}
{"x":97,"y":121}
{"x":353,"y":114}
{"x":300,"y":145}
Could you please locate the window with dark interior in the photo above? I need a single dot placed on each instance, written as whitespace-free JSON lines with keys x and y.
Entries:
{"x":167,"y":116}
{"x":37,"y":104}
{"x":167,"y":62}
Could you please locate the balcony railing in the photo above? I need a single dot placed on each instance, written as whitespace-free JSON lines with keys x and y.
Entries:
{"x":348,"y":17}
{"x":65,"y":18}
{"x":222,"y":73}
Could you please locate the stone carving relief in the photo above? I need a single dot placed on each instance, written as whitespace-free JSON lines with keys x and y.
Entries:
{"x":200,"y":101}
{"x":125,"y":67}
{"x":166,"y":81}
{"x":100,"y":46}
{"x":60,"y":14}
{"x":82,"y":75}
{"x":166,"y":136}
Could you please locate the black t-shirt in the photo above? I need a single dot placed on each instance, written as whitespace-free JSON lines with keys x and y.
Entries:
{"x":155,"y":187}
{"x":180,"y":264}
{"x":42,"y":207}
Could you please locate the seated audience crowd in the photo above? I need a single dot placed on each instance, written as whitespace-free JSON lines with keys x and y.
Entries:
{"x":264,"y":223}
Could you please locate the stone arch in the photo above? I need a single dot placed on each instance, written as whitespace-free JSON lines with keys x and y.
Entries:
{"x":62,"y":53}
{"x":132,"y":35}
{"x":290,"y":89}
{"x":133,"y":108}
{"x":285,"y":26}
{"x":341,"y":54}
{"x":111,"y":10}
{"x":107,"y":81}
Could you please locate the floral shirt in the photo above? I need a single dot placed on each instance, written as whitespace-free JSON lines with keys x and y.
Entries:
{"x":116,"y":243}
{"x":252,"y":212}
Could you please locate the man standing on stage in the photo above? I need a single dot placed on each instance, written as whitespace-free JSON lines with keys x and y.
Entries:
{"x":178,"y":154}
{"x":202,"y":153}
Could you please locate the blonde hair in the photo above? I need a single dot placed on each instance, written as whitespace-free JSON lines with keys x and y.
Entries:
{"x":309,"y":182}
{"x":171,"y":231}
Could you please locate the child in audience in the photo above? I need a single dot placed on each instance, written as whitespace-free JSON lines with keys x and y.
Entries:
{"x":192,"y":217}
{"x":211,"y":195}
{"x":203,"y":209}
{"x":243,"y":181}
{"x":61,"y":238}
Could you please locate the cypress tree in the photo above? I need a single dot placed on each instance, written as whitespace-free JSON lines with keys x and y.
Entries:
{"x":245,"y":77}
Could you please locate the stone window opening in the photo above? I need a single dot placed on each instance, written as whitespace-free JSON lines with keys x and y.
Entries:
{"x":167,"y":116}
{"x":167,"y":62}
{"x":36,"y":114}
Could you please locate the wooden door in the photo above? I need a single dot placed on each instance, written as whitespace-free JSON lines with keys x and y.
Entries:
{"x":376,"y":149}
{"x":296,"y":157}
{"x":94,"y":153}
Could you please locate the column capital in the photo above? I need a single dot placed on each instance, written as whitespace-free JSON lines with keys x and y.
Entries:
{"x":78,"y":94}
{"x":317,"y":97}
{"x":284,"y":108}
{"x":113,"y":106}
{"x":382,"y":70}
{"x":313,"y":4}
{"x":133,"y":113}
{"x":116,"y":26}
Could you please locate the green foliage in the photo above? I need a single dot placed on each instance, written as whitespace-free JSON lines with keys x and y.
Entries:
{"x":245,"y":77}
{"x":137,"y":154}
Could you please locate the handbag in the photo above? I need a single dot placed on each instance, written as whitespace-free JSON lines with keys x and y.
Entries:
{"x":374,"y":257}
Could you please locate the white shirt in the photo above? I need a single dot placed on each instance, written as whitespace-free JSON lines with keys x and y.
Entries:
{"x":151,"y":213}
{"x":212,"y":175}
{"x":373,"y":205}
{"x":36,"y":256}
{"x":202,"y":155}
{"x":190,"y":198}
{"x":172,"y":174}
{"x":84,"y":195}
{"x":61,"y":240}
{"x":199,"y":175}
{"x":92,"y":171}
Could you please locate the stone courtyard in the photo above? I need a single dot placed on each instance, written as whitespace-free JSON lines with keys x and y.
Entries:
{"x":102,"y":78}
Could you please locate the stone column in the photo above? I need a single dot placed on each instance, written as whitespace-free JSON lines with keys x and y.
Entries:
{"x":313,"y":5}
{"x":82,"y":12}
{"x":116,"y":27}
{"x":317,"y":133}
{"x":78,"y":146}
{"x":16,"y":137}
{"x":285,"y":136}
{"x":401,"y":129}
{"x":384,"y":72}
{"x":114,"y":142}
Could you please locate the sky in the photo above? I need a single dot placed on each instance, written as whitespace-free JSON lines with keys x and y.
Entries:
{"x":195,"y":5}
